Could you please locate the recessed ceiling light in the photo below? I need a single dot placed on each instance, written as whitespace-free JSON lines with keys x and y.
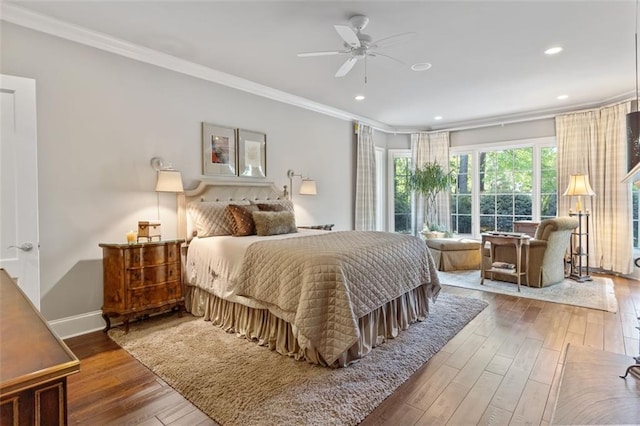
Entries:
{"x":562,"y":97}
{"x":421,"y":66}
{"x":359,"y":97}
{"x":553,"y":50}
{"x":437,"y":117}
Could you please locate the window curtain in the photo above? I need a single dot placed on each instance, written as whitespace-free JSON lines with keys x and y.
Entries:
{"x":425,"y":148}
{"x":594,"y":143}
{"x":365,"y":210}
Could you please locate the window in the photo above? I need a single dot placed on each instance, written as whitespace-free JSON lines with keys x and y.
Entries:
{"x":506,"y":185}
{"x":497,"y":185}
{"x":380,"y":199}
{"x":400,"y":209}
{"x":461,"y":196}
{"x":548,"y":183}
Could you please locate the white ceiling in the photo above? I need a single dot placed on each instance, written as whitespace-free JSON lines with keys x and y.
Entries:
{"x":487,"y":57}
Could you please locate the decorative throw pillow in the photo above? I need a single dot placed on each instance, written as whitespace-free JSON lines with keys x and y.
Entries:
{"x":211,"y":217}
{"x":270,"y":207}
{"x":274,"y":223}
{"x":242,"y":224}
{"x":276,"y":206}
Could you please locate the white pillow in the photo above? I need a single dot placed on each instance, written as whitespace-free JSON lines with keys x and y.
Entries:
{"x":211,"y":217}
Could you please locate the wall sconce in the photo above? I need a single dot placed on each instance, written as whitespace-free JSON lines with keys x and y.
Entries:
{"x":579,"y":186}
{"x":168,"y":179}
{"x":307,"y":187}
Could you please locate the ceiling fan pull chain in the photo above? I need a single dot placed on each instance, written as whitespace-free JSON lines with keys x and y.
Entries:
{"x":365,"y":69}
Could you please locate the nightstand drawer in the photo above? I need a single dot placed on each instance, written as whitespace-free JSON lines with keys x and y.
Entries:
{"x":152,"y":255}
{"x":147,"y":297}
{"x":149,"y":275}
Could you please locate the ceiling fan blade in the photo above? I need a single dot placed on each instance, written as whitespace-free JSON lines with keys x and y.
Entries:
{"x":348,"y":35}
{"x":322,"y":53}
{"x":394,"y":39}
{"x":346,"y":67}
{"x":386,"y":56}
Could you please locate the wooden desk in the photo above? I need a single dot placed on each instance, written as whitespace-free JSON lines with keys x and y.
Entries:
{"x":517,"y":241}
{"x":34,"y":362}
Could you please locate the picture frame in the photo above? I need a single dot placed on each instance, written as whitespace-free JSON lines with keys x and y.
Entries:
{"x":252,"y":154}
{"x":219,"y":152}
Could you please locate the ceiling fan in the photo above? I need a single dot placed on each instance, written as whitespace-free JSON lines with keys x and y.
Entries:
{"x":358,"y":45}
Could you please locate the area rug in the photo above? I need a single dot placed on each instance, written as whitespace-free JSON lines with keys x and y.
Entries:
{"x":237,"y":382}
{"x":597,"y":294}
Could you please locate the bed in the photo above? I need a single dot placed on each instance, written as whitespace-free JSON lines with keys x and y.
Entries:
{"x":325,"y":297}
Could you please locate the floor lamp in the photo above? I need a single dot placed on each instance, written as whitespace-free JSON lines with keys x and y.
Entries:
{"x":578,"y":187}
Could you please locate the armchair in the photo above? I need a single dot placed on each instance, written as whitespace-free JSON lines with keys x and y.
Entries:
{"x":546,"y":252}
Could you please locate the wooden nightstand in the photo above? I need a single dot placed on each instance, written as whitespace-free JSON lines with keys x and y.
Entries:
{"x":141,"y":278}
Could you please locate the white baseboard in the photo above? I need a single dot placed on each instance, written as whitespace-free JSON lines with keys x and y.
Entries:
{"x":78,"y":324}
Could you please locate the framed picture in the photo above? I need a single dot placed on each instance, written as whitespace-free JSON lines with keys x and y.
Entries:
{"x":252,"y":154}
{"x":218,"y":150}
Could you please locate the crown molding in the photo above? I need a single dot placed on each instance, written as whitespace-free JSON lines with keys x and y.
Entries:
{"x":522,"y":117}
{"x":38,"y":22}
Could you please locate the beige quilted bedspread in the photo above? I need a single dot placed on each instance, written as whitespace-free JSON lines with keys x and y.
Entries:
{"x":322,"y":284}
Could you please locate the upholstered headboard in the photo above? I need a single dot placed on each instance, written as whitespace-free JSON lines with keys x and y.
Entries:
{"x":219,"y":190}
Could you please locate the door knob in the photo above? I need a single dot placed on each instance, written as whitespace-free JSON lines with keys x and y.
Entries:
{"x":23,"y":247}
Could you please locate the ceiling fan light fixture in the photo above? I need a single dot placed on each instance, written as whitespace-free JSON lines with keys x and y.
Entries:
{"x":359,"y":98}
{"x":359,"y":22}
{"x":553,"y":50}
{"x":358,"y":45}
{"x":421,"y":66}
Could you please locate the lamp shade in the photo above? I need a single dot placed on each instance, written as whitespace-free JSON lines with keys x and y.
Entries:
{"x":169,"y":181}
{"x":308,"y":187}
{"x":579,"y":185}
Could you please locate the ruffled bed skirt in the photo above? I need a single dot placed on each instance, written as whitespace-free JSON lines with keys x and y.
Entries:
{"x":261,"y":326}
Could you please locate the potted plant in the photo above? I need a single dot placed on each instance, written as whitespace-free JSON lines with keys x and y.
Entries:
{"x":428,"y":181}
{"x":435,"y":230}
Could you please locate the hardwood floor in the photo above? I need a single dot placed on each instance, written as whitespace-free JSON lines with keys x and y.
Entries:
{"x":602,"y":397}
{"x":503,"y":368}
{"x":113,"y":388}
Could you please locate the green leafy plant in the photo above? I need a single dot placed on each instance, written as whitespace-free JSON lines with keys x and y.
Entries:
{"x":429,"y":180}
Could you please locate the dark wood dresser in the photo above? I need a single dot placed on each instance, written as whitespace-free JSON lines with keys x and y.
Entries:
{"x":34,"y":362}
{"x":141,"y":278}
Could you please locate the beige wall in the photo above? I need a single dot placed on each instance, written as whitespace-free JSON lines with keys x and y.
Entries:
{"x":501,"y":133}
{"x":490,"y":134}
{"x":101,"y":118}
